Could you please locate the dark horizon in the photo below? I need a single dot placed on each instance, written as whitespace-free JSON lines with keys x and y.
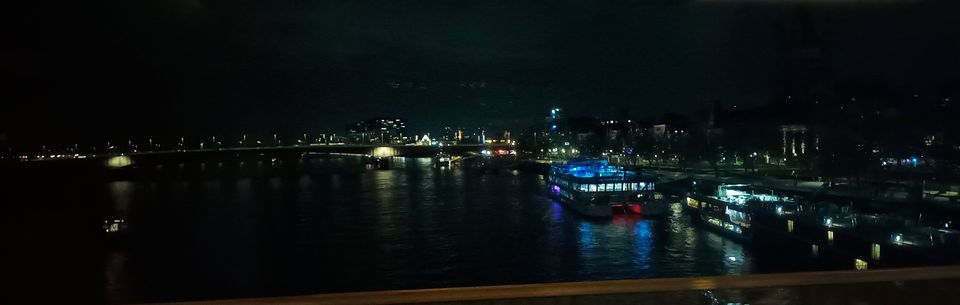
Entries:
{"x":200,"y":68}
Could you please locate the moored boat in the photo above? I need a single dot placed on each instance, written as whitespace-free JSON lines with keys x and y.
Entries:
{"x":595,"y":188}
{"x":728,"y":211}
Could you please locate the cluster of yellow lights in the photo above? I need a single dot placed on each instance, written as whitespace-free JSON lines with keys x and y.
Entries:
{"x":41,"y":157}
{"x":860,"y":264}
{"x":119,"y":161}
{"x":384,"y":152}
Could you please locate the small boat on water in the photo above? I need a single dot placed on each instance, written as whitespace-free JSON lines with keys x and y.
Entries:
{"x":727,"y":218}
{"x":492,"y":161}
{"x":442,"y":159}
{"x":595,"y":188}
{"x":115,"y":230}
{"x":114,"y":225}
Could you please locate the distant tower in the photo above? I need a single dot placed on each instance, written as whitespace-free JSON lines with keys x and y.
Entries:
{"x":448,"y":134}
{"x":716,"y":115}
{"x":555,"y":120}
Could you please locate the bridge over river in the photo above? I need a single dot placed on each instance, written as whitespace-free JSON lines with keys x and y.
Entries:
{"x":279,"y":152}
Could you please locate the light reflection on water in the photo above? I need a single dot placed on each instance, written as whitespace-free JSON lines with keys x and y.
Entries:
{"x":121,"y":195}
{"x":333,"y":225}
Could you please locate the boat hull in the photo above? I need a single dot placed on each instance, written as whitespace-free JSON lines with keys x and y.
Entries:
{"x":595,"y":188}
{"x":586,"y":209}
{"x":646,"y":208}
{"x":714,"y":220}
{"x":744,"y":236}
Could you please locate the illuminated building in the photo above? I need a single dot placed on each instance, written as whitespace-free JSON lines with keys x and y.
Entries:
{"x":659,"y":131}
{"x":379,"y":131}
{"x":555,"y":122}
{"x":425,"y":140}
{"x":556,"y":136}
{"x":794,"y":140}
{"x":860,"y":264}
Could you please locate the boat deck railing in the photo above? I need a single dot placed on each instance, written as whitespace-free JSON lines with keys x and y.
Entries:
{"x":927,"y":285}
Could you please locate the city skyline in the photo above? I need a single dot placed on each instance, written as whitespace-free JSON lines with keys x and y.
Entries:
{"x":474,"y":152}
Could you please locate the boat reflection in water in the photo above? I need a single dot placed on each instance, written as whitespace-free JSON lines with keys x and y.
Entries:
{"x":595,"y":188}
{"x":378,"y":162}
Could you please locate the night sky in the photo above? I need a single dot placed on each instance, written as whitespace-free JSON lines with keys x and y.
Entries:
{"x":79,"y":71}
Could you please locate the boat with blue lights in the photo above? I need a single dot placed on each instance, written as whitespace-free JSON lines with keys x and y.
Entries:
{"x":595,"y":188}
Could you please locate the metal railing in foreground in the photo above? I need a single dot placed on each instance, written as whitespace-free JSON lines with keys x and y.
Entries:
{"x":927,"y":285}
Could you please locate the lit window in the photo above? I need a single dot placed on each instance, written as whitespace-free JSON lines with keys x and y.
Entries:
{"x":618,"y":187}
{"x":609,"y":187}
{"x":830,"y":235}
{"x":860,"y":264}
{"x":815,"y":250}
{"x":875,"y":252}
{"x":789,"y":225}
{"x":593,"y":188}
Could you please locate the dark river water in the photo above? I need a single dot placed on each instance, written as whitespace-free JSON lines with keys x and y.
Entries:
{"x":212,"y":231}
